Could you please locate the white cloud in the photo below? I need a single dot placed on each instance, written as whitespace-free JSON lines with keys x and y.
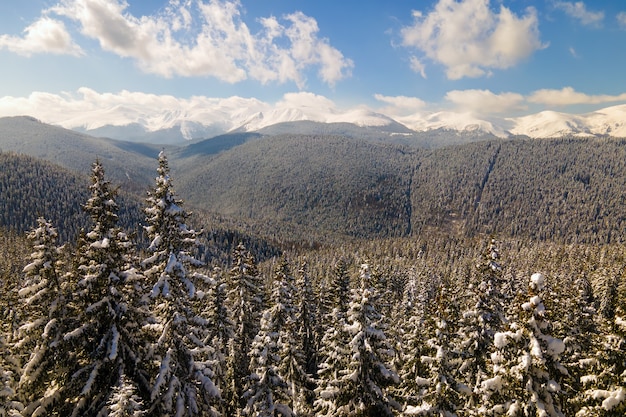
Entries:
{"x":210,"y":40}
{"x":485,"y":102}
{"x":470,"y":39}
{"x":400,"y":105}
{"x":621,"y":19}
{"x":579,"y":11}
{"x":46,"y":35}
{"x":91,"y":109}
{"x":418,"y":66}
{"x":568,"y":96}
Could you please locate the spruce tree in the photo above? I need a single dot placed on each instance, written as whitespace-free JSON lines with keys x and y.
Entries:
{"x":362,"y":388}
{"x":245,"y":295}
{"x":483,"y":318}
{"x":439,"y":393}
{"x":269,"y":393}
{"x":528,"y":369}
{"x":103,"y":334}
{"x":219,"y":340}
{"x":334,"y":351}
{"x":183,"y":384}
{"x":44,"y":298}
{"x":603,"y":386}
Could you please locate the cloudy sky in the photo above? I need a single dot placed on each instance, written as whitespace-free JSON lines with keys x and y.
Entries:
{"x":61,"y":58}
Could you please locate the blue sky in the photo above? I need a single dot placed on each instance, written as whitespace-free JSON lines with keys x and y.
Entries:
{"x":488,"y":57}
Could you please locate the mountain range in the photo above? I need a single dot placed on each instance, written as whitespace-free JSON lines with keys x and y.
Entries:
{"x":175,"y":127}
{"x":320,"y":185}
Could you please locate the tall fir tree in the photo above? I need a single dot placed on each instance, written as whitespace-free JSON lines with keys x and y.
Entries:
{"x":362,"y":387}
{"x":103,"y":334}
{"x":44,"y":298}
{"x":219,"y":340}
{"x":483,"y":318}
{"x":334,"y":351}
{"x":603,"y":386}
{"x":269,"y":392}
{"x":528,"y":368}
{"x":245,"y":295}
{"x":439,"y":392}
{"x":183,"y":384}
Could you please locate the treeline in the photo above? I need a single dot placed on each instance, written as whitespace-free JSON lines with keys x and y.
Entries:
{"x":398,"y":327}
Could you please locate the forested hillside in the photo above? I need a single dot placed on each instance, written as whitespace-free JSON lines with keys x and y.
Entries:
{"x":130,"y":164}
{"x":315,"y":187}
{"x":559,"y":189}
{"x":326,"y":184}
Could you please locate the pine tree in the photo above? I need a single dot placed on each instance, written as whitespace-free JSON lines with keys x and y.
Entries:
{"x":411,"y":346}
{"x":269,"y":393}
{"x":528,"y":368}
{"x":183,"y":385}
{"x":603,"y":391}
{"x":439,"y":393}
{"x":307,"y":352}
{"x":478,"y":325}
{"x":43,"y":297}
{"x":102,"y":334}
{"x":219,"y":341}
{"x":245,"y":295}
{"x":124,"y":401}
{"x":362,"y":388}
{"x":9,"y":368}
{"x":334,"y":352}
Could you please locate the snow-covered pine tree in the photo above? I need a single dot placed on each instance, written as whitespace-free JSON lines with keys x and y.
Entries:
{"x":603,"y":391}
{"x":43,"y":297}
{"x":245,"y":296}
{"x":362,"y":389}
{"x":183,"y":384}
{"x":219,"y":339}
{"x":9,"y":368}
{"x":411,"y":344}
{"x":527,"y":363}
{"x":483,"y":318}
{"x":103,"y":333}
{"x":124,"y":401}
{"x":582,"y":342}
{"x":268,"y":393}
{"x":306,"y":321}
{"x":296,"y":335}
{"x":439,"y":392}
{"x":334,"y":353}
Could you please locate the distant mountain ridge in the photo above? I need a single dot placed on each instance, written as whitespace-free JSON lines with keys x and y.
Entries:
{"x":364,"y":185}
{"x":175,"y":127}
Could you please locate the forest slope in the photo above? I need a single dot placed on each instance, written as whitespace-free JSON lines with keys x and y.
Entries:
{"x":570,"y":190}
{"x":131,"y":165}
{"x":324,"y":183}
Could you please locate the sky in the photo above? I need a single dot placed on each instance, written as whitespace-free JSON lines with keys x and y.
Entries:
{"x":60,"y":59}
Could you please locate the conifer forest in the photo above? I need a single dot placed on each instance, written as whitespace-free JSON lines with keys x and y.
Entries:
{"x":177,"y":319}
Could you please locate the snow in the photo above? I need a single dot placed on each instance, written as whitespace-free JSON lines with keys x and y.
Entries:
{"x":492,"y":384}
{"x":500,"y":340}
{"x":611,"y":398}
{"x":538,"y":282}
{"x":115,"y":337}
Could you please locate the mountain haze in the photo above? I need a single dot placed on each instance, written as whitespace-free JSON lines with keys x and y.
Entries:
{"x":175,"y":127}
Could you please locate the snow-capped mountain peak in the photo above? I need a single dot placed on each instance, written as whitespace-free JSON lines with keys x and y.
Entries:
{"x":236,"y":114}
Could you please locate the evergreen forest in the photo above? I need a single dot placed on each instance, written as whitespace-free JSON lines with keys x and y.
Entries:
{"x":116,"y":306}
